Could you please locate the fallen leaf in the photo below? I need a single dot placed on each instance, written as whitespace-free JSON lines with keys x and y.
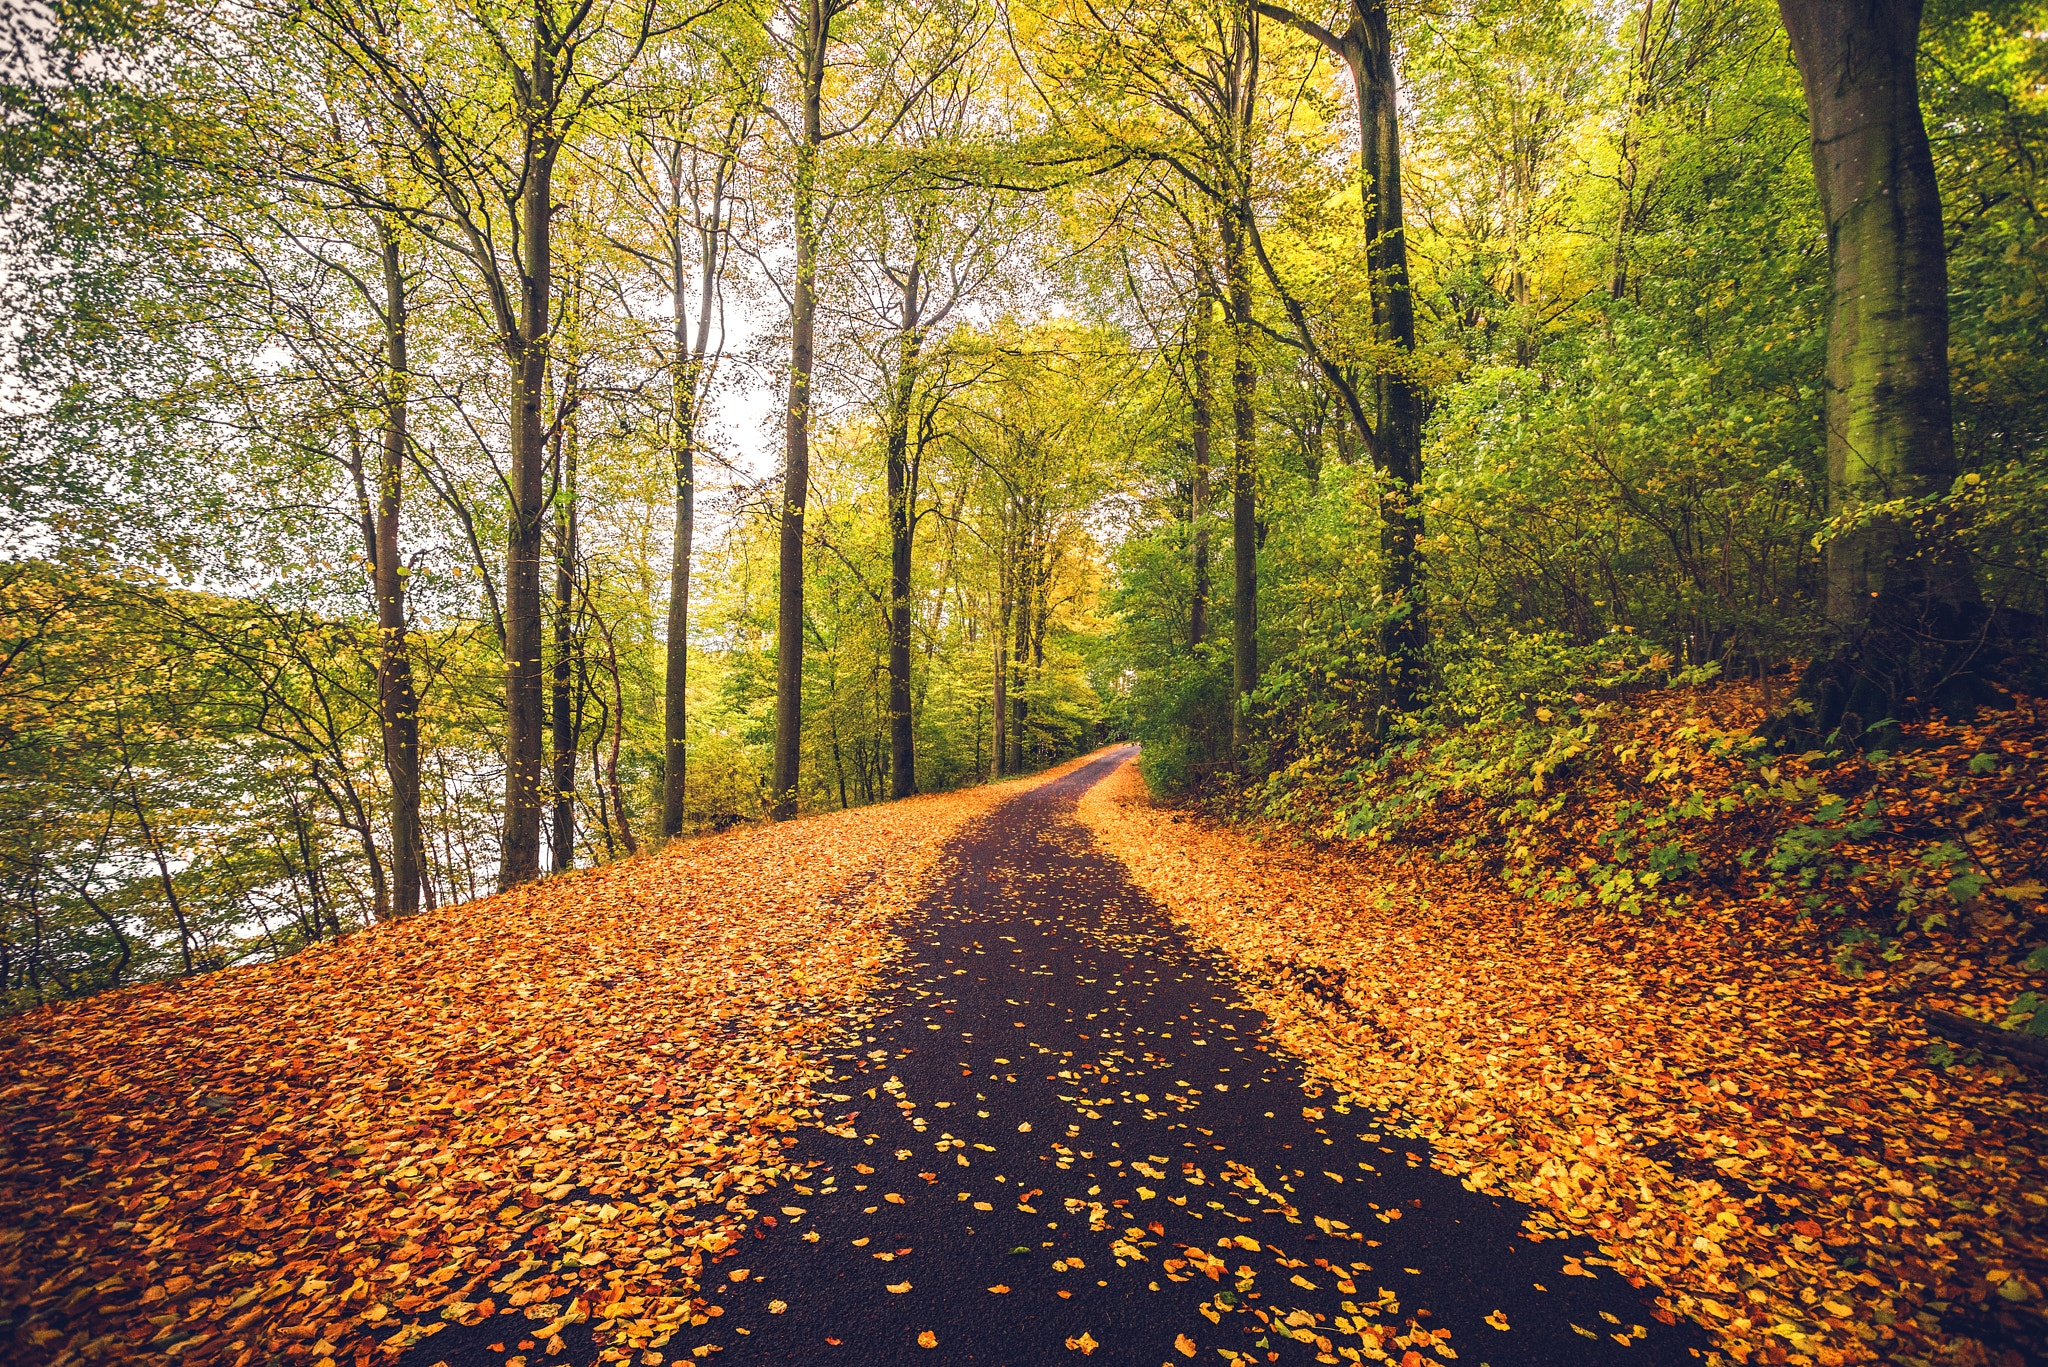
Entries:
{"x":1085,"y":1343}
{"x":1185,"y":1344}
{"x":1000,"y":1290}
{"x":900,"y":1287}
{"x":927,"y":1339}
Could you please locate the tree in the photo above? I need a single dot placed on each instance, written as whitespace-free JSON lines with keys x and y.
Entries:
{"x":1902,"y":599}
{"x":811,"y":42}
{"x":486,"y":147}
{"x":1196,"y":74}
{"x":398,"y":704}
{"x":922,"y":45}
{"x":1393,"y":431}
{"x":929,"y":249}
{"x":680,"y":160}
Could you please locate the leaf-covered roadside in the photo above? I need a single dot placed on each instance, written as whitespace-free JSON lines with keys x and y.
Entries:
{"x":1736,"y":1119}
{"x":553,"y":1106}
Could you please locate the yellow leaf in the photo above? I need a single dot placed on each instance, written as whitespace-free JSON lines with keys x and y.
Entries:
{"x":900,"y":1287}
{"x":777,"y":1307}
{"x":1498,"y":1319}
{"x":1185,"y":1344}
{"x":893,"y":1199}
{"x":739,"y":1274}
{"x":1000,"y":1290}
{"x":1302,"y":1282}
{"x":927,"y":1339}
{"x":1086,"y":1344}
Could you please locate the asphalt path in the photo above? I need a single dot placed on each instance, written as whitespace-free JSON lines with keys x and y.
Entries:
{"x":1071,"y":1138}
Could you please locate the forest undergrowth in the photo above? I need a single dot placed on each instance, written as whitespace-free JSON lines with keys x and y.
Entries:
{"x":556,"y":1105}
{"x":1671,"y":991}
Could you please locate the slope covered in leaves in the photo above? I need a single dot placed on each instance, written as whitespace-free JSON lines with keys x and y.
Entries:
{"x":1737,"y":1112}
{"x":552,"y":1105}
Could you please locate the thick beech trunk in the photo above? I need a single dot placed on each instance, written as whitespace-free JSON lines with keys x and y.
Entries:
{"x":1902,"y":601}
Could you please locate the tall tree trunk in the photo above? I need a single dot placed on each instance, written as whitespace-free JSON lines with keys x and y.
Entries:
{"x":397,"y":704}
{"x":1405,"y":638}
{"x":688,"y":378}
{"x":1366,"y":47}
{"x":1904,"y":604}
{"x":789,"y":606}
{"x":902,"y":531}
{"x":675,"y":688}
{"x":1198,"y":500}
{"x":525,"y":778}
{"x":1244,"y":480}
{"x":1019,"y":657}
{"x":562,"y":706}
{"x":611,"y":765}
{"x":999,"y":640}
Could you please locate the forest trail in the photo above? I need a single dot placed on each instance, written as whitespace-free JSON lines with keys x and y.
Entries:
{"x":1067,"y":1135}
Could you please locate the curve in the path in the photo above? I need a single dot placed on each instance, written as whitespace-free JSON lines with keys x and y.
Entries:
{"x":1066,"y":1099}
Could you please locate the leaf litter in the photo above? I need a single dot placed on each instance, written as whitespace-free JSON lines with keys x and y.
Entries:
{"x":555,"y":1106}
{"x":1738,"y":1124}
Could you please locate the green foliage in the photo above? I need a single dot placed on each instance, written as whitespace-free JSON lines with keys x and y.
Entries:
{"x":2028,"y":1014}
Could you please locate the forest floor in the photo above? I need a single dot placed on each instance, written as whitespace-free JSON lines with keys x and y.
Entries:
{"x":1023,"y":1074}
{"x":1740,"y":1101}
